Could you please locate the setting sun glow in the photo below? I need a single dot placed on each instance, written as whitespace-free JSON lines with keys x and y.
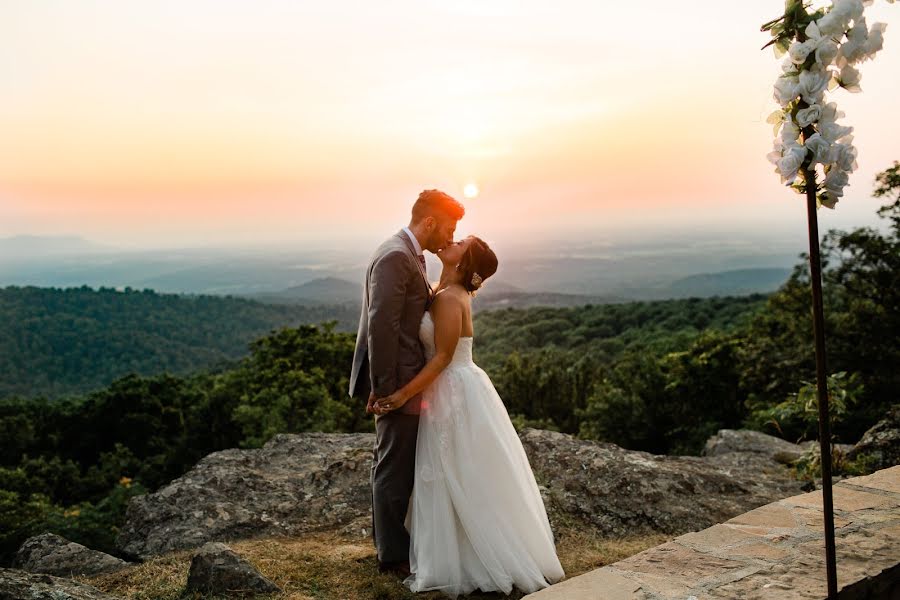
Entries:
{"x":213,"y":122}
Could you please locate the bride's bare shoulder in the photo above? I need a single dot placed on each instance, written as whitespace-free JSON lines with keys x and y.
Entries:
{"x":451,"y":296}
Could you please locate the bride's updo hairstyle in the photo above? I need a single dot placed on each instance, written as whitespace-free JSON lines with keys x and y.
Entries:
{"x":477,"y":264}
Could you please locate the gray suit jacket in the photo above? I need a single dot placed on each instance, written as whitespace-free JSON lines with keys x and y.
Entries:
{"x":395,"y":297}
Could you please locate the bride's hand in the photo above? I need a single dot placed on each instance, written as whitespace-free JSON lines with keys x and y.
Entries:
{"x":389,"y":403}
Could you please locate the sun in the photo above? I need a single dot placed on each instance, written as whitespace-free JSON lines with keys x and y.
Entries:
{"x":470,"y":190}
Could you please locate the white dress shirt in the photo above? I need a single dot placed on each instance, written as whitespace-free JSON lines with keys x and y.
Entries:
{"x":414,"y":241}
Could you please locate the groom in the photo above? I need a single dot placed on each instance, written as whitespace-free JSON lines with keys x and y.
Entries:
{"x":388,"y":355}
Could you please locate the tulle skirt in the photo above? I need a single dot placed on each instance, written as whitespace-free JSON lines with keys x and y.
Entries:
{"x":476,"y":518}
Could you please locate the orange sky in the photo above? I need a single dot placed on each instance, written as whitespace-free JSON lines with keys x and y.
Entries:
{"x":165,"y":123}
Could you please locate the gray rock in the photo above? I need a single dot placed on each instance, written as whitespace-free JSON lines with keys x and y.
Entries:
{"x":305,"y":482}
{"x":55,"y":555}
{"x":17,"y":584}
{"x":617,"y":491}
{"x":812,"y":450}
{"x":746,"y":440}
{"x":293,"y":484}
{"x":217,"y":569}
{"x":882,"y":441}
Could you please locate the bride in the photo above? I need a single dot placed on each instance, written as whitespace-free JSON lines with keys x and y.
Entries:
{"x":476,"y":518}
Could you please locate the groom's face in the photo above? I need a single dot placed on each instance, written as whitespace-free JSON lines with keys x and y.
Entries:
{"x":442,"y":234}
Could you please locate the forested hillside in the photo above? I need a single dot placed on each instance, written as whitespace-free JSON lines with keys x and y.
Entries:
{"x":55,"y":342}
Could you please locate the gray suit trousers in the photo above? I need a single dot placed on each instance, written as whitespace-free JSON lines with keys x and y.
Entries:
{"x":393,"y":473}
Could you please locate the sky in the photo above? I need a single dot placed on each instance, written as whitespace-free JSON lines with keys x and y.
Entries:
{"x":223,"y":122}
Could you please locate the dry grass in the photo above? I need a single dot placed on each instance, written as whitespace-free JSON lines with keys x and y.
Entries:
{"x":330,"y":566}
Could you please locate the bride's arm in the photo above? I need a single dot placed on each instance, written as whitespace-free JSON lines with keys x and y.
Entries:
{"x":447,"y":313}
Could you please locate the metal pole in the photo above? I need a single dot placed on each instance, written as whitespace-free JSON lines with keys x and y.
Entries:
{"x":815,"y":275}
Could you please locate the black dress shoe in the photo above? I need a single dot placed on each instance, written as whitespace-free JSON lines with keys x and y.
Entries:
{"x":400,"y":568}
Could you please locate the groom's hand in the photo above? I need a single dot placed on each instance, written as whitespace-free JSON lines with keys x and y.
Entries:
{"x":370,"y":405}
{"x":389,"y":403}
{"x":379,"y":408}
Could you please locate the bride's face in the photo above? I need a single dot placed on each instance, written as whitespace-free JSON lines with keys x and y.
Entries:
{"x":453,"y":253}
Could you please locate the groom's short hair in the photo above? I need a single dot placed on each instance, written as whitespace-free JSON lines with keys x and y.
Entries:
{"x":431,"y":203}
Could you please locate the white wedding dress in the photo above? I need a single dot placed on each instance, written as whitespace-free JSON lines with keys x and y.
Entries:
{"x":476,"y":518}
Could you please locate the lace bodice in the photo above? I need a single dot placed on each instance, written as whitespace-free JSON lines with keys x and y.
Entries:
{"x":463,"y":353}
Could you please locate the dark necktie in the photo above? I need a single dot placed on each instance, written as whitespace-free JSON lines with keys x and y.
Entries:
{"x":424,"y":268}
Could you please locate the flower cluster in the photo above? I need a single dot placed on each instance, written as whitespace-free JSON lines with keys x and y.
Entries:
{"x":821,"y":50}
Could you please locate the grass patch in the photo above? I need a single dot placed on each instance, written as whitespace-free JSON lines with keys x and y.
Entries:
{"x":330,"y":566}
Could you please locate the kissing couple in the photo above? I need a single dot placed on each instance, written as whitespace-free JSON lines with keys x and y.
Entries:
{"x":455,"y":506}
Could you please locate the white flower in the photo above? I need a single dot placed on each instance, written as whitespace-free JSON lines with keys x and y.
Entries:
{"x":824,"y":47}
{"x":859,"y":33}
{"x":854,"y":49}
{"x":820,"y":148}
{"x":788,"y":67}
{"x":786,"y":89}
{"x":833,"y":132}
{"x":808,"y":116}
{"x":826,"y":52}
{"x":849,"y":51}
{"x":830,"y":113}
{"x":830,"y":24}
{"x":835,"y":181}
{"x":812,"y":31}
{"x":844,"y":156}
{"x":836,"y":21}
{"x":849,"y":78}
{"x":876,"y":40}
{"x":789,"y":163}
{"x":813,"y":83}
{"x":848,"y":10}
{"x":798,"y":52}
{"x":790,"y":133}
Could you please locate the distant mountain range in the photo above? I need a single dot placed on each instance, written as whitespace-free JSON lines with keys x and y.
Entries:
{"x":336,"y":291}
{"x":739,"y":282}
{"x":325,"y":290}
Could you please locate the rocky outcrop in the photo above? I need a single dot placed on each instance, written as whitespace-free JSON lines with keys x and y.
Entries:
{"x":727,"y":441}
{"x":618,"y":491}
{"x":55,"y":555}
{"x":304,"y":482}
{"x":217,"y":569}
{"x":16,"y":583}
{"x":293,"y":484}
{"x":881,"y":442}
{"x":774,"y":448}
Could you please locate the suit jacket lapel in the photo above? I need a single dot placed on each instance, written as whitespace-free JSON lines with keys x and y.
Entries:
{"x":412,"y":249}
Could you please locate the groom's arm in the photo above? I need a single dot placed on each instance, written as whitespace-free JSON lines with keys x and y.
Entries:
{"x":387,"y":296}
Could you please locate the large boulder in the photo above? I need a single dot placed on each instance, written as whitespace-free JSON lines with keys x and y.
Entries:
{"x":18,"y":584}
{"x":727,"y":441}
{"x":881,"y":442}
{"x":314,"y":481}
{"x":618,"y":492}
{"x":217,"y":569}
{"x":55,"y":555}
{"x":293,"y":484}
